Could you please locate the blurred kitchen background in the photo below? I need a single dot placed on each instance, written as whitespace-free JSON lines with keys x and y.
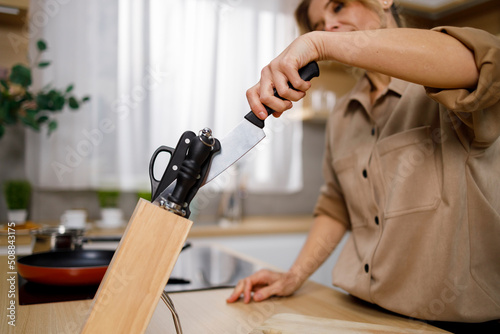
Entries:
{"x":154,"y":69}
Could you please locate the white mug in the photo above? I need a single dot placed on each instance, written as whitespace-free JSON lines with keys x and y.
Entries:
{"x":111,"y":217}
{"x":74,"y":218}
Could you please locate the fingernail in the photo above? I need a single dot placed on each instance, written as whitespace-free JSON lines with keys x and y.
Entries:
{"x":262,"y":115}
{"x":257,"y":297}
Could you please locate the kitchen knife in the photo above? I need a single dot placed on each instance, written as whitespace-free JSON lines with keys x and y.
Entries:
{"x":249,"y":132}
{"x":242,"y":138}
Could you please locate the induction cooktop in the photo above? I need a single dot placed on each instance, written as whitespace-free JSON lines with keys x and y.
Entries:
{"x":202,"y":267}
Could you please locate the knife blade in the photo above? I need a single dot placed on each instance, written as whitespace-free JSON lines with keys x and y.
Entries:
{"x":249,"y":132}
{"x":243,"y":137}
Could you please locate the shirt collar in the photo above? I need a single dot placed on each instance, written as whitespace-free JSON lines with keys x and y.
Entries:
{"x":361,"y":91}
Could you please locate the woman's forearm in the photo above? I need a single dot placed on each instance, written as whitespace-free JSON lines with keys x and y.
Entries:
{"x":424,"y":57}
{"x":323,"y":237}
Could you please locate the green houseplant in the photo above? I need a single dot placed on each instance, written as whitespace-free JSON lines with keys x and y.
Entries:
{"x":20,"y":104}
{"x":108,"y":198}
{"x":144,"y":194}
{"x":17,"y":195}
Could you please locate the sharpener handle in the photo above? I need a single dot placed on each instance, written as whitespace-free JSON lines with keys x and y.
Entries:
{"x":307,"y":72}
{"x":190,"y":170}
{"x":155,"y":184}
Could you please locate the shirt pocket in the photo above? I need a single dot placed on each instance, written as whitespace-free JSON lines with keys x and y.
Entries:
{"x":351,"y":181}
{"x":409,"y":172}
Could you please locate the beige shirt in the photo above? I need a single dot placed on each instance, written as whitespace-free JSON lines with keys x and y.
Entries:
{"x":416,"y":178}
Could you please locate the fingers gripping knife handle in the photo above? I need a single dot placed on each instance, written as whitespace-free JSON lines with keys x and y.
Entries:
{"x":190,"y":171}
{"x":306,"y":73}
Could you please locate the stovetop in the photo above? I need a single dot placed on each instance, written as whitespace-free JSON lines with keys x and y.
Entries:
{"x":206,"y":267}
{"x":197,"y":268}
{"x":34,"y":293}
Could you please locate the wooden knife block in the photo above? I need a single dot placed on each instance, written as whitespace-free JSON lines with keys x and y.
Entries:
{"x":138,"y":272}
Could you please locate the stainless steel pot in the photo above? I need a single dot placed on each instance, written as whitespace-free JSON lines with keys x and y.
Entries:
{"x":58,"y":238}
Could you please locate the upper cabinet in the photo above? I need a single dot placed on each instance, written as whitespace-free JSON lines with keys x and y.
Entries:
{"x":482,"y":14}
{"x":13,"y":12}
{"x":19,"y":4}
{"x":13,"y":33}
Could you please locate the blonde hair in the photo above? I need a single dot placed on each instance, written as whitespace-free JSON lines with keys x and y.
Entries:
{"x":302,"y":17}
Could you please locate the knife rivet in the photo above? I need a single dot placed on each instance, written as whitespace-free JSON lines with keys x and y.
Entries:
{"x":174,"y":167}
{"x":187,"y":141}
{"x":206,"y":134}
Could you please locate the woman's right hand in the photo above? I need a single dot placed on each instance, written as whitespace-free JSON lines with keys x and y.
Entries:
{"x":264,"y":284}
{"x":280,"y":71}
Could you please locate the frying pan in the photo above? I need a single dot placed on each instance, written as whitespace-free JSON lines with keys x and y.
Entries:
{"x":80,"y":267}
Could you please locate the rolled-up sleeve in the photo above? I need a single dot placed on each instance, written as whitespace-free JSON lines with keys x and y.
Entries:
{"x":478,"y":108}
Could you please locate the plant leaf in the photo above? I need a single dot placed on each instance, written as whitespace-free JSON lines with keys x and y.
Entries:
{"x":42,"y":101}
{"x":30,"y":121}
{"x":73,"y":103}
{"x":42,"y":119}
{"x":43,"y":64}
{"x":4,"y":84}
{"x":21,"y":75}
{"x":58,"y":102}
{"x":52,"y":126}
{"x":41,"y":45}
{"x":69,"y":89}
{"x":86,"y":98}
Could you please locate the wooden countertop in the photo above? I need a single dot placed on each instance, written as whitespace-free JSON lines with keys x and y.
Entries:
{"x":253,"y":225}
{"x":204,"y":311}
{"x":256,"y":225}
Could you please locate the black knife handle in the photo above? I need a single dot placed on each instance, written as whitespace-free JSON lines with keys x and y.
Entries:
{"x":306,"y":73}
{"x":190,"y":169}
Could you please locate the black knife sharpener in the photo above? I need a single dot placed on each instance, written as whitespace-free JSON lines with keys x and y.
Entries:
{"x":189,"y":164}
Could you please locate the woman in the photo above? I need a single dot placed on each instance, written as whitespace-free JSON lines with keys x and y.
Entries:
{"x":410,"y":167}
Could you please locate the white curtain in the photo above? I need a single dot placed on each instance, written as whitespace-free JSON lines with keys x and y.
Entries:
{"x":155,"y":69}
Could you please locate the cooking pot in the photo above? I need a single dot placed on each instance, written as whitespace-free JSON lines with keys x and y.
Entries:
{"x":58,"y":238}
{"x":61,"y":238}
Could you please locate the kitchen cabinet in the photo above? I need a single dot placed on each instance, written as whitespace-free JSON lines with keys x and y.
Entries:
{"x":481,"y":14}
{"x":16,"y":4}
{"x":19,"y":4}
